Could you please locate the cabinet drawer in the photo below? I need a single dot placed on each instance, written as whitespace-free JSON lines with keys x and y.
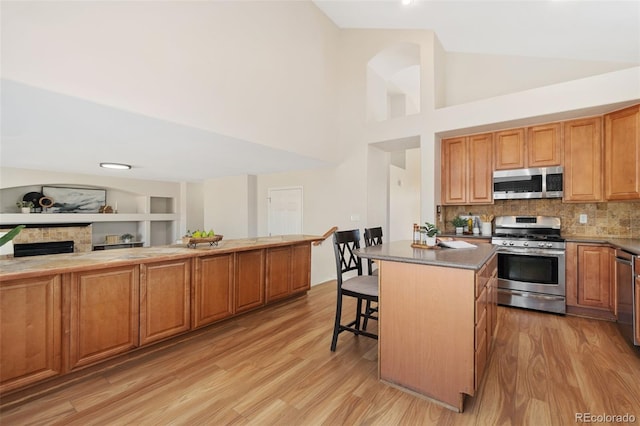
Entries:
{"x":481,"y":304}
{"x":481,"y":359}
{"x":481,"y":280}
{"x":481,"y":329}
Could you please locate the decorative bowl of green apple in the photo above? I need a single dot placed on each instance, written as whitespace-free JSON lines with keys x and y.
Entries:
{"x":192,"y":239}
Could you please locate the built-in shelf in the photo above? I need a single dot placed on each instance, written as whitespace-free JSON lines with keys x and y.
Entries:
{"x":44,"y":218}
{"x":117,"y":245}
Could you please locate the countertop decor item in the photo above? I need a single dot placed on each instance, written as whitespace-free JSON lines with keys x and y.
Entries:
{"x":193,"y":242}
{"x":127,"y":238}
{"x":459,"y":223}
{"x":429,"y":232}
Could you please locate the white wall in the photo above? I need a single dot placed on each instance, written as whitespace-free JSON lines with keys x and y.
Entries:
{"x":10,"y":177}
{"x":229,"y":206}
{"x":404,"y":197}
{"x":471,"y":77}
{"x":263,"y":72}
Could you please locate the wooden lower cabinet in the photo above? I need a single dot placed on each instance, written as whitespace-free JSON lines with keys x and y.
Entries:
{"x":212,"y":298}
{"x":104,"y":314}
{"x":278,"y":279}
{"x":30,"y":331}
{"x":590,"y":280}
{"x":249,"y":281}
{"x":288,"y":271}
{"x":165,"y":289}
{"x":637,"y":297}
{"x":486,"y":309}
{"x":56,"y":324}
{"x":300,"y":268}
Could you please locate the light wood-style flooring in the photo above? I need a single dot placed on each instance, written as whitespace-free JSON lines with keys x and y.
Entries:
{"x":274,"y":367}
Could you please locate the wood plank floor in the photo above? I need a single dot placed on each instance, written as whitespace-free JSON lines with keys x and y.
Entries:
{"x":274,"y":367}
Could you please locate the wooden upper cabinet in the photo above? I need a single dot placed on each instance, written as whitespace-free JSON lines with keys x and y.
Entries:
{"x":583,"y":160}
{"x":454,"y":171}
{"x":212,"y":298}
{"x":510,"y":149}
{"x":165,"y":289}
{"x":249,"y":282}
{"x":622,"y":154}
{"x":30,"y":332}
{"x":104,"y":317}
{"x":536,"y":146}
{"x":467,"y":170}
{"x":544,"y":145}
{"x":480,"y":160}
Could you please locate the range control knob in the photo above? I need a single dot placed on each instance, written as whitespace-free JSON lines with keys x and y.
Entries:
{"x":525,"y":244}
{"x":541,"y":245}
{"x":504,"y":243}
{"x":511,"y":243}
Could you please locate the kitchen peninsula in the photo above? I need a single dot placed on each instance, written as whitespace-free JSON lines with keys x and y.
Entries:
{"x":437,"y":318}
{"x":65,"y":312}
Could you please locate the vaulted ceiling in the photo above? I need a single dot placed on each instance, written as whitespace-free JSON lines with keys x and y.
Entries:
{"x":35,"y":134}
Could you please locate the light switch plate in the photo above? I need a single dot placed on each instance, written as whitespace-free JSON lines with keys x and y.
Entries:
{"x":583,"y":218}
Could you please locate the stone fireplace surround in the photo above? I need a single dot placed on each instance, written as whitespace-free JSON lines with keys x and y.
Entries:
{"x":79,"y":233}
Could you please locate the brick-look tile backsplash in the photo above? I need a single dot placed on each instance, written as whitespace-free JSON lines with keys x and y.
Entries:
{"x":612,"y":219}
{"x":80,"y":235}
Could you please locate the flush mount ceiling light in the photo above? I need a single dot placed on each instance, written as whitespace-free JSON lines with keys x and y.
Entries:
{"x":407,"y":2}
{"x":117,"y":166}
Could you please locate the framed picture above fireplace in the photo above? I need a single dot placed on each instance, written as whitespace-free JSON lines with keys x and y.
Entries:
{"x":75,"y":200}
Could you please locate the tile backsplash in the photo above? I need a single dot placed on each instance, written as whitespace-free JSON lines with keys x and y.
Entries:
{"x":612,"y":219}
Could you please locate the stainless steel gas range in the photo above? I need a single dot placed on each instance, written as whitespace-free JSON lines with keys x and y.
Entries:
{"x":531,"y":262}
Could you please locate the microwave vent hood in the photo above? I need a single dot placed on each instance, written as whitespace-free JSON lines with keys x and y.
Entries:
{"x":542,"y":182}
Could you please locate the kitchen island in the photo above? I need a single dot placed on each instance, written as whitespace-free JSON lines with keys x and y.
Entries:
{"x":437,"y":318}
{"x":65,"y":312}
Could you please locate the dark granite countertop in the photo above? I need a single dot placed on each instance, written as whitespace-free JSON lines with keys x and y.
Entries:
{"x":401,"y":251}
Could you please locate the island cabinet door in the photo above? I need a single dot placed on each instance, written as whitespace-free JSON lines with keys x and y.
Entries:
{"x":301,"y":268}
{"x":278,"y":279}
{"x":212,"y":298}
{"x":249,"y":280}
{"x":165,"y":289}
{"x":30,"y":331}
{"x":104,"y":307}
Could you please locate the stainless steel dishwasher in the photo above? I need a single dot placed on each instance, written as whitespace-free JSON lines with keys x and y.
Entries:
{"x":626,"y":295}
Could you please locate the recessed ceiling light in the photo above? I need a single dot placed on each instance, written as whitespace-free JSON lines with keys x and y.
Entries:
{"x":118,"y":166}
{"x":407,"y":2}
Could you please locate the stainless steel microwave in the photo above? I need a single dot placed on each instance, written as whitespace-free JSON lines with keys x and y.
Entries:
{"x":542,"y":182}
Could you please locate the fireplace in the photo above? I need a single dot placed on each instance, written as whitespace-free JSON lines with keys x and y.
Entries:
{"x":78,"y":233}
{"x":38,"y":249}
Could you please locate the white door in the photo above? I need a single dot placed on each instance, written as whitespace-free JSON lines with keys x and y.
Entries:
{"x":285,"y":211}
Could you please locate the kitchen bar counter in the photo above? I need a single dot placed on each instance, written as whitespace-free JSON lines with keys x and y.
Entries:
{"x":401,"y":251}
{"x":25,"y":267}
{"x":63,"y":313}
{"x":437,"y":318}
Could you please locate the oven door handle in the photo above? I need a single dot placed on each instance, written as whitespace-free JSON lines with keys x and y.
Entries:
{"x":530,"y":295}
